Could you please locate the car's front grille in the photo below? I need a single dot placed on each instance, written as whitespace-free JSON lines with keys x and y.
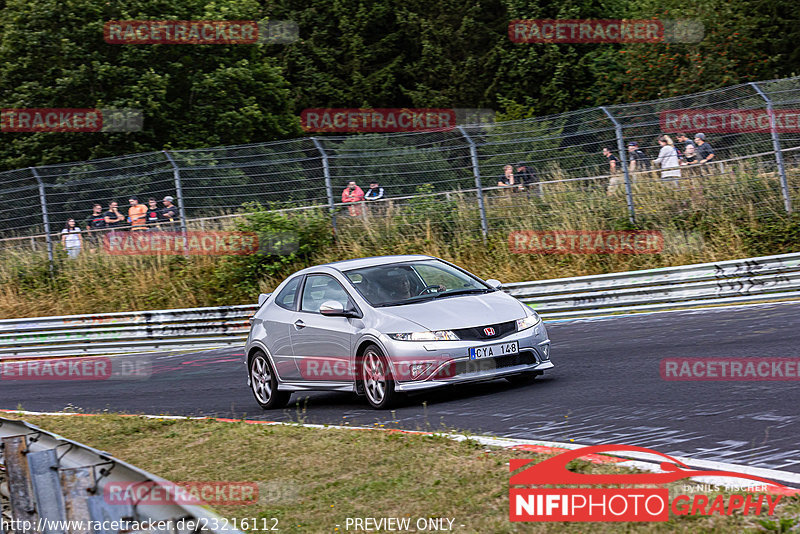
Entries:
{"x":485,"y":364}
{"x":478,"y":333}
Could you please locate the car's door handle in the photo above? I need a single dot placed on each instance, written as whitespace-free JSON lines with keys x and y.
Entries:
{"x":299,"y":324}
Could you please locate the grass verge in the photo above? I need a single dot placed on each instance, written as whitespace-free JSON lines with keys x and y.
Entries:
{"x":320,"y":477}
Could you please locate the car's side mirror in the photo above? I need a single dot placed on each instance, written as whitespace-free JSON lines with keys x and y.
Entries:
{"x":494,"y":284}
{"x":332,"y":308}
{"x":262,"y":298}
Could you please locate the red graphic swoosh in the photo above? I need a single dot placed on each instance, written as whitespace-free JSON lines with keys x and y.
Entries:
{"x":554,"y":470}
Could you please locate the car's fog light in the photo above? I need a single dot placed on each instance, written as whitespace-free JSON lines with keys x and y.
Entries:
{"x":546,"y":352}
{"x":417,"y":369}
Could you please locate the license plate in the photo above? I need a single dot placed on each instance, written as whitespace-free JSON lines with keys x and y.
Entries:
{"x":493,"y":351}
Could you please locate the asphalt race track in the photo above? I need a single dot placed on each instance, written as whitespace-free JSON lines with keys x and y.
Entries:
{"x":606,"y":388}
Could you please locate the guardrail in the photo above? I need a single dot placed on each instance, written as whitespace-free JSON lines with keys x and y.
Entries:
{"x":118,"y":333}
{"x":48,"y":481}
{"x":725,"y":282}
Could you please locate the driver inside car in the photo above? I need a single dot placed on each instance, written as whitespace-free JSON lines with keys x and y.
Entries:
{"x":406,"y":289}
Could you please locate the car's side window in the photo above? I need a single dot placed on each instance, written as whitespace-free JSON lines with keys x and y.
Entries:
{"x":287,"y":298}
{"x":321,"y":288}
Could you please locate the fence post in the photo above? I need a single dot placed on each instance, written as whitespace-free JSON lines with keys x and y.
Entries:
{"x":776,"y":146}
{"x":45,"y":217}
{"x":326,"y":170}
{"x":178,"y":190}
{"x":473,"y":152}
{"x":624,"y":161}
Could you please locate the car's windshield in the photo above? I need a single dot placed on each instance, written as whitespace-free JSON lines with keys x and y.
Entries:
{"x":406,"y":283}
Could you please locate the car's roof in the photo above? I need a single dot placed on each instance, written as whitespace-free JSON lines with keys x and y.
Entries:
{"x":359,"y":263}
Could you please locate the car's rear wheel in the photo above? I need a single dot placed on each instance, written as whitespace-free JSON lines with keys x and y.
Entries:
{"x":264,"y":383}
{"x":377,"y":380}
{"x":523,"y":379}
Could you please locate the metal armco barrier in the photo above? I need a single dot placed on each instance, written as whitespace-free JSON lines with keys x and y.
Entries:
{"x":118,"y":333}
{"x":52,"y":485}
{"x":724,"y":282}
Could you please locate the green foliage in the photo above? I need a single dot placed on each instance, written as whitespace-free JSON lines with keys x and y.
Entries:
{"x":357,"y":53}
{"x":730,"y":53}
{"x":285,"y":241}
{"x":775,"y":235}
{"x":52,"y":54}
{"x":431,"y":209}
{"x":784,"y":524}
{"x":455,"y":54}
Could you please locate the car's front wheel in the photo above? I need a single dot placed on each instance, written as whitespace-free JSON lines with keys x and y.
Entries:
{"x":377,"y":379}
{"x":265,"y":383}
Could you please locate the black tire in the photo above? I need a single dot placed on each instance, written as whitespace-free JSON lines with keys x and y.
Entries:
{"x":523,"y":379}
{"x":376,"y":379}
{"x":264,"y":383}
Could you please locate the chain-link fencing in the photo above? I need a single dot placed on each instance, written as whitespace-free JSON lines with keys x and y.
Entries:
{"x":540,"y":173}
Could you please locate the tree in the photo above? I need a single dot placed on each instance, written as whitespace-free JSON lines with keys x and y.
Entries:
{"x":190,"y":95}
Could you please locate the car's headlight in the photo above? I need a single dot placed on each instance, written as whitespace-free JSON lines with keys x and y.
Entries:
{"x":438,"y":335}
{"x":528,"y":322}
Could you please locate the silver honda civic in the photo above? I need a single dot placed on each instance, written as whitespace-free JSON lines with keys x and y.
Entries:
{"x":389,"y":325}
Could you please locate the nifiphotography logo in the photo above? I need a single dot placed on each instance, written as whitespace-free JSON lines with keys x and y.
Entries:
{"x":624,"y":503}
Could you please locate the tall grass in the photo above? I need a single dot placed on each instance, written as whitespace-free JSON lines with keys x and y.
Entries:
{"x":708,"y":218}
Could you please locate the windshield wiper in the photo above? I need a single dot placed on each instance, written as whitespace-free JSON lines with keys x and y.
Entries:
{"x":461,"y":292}
{"x":412,"y":300}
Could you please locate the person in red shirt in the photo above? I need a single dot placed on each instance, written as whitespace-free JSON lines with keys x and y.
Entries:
{"x":353,"y":193}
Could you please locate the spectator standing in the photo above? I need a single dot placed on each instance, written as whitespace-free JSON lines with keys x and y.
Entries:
{"x":375,"y":192}
{"x":352,"y":194}
{"x":689,"y":150}
{"x":96,"y":221}
{"x":113,"y":218}
{"x":169,"y":215}
{"x":616,"y":180}
{"x":137,"y":215}
{"x":638,"y":161}
{"x":71,"y":239}
{"x":668,"y":160}
{"x":704,"y":151}
{"x":151,"y":216}
{"x":613,"y":161}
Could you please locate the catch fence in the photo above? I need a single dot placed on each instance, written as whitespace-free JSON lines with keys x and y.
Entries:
{"x":452,"y":178}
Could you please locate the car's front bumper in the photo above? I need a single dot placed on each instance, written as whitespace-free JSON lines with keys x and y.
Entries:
{"x":448,"y":362}
{"x":477,"y":376}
